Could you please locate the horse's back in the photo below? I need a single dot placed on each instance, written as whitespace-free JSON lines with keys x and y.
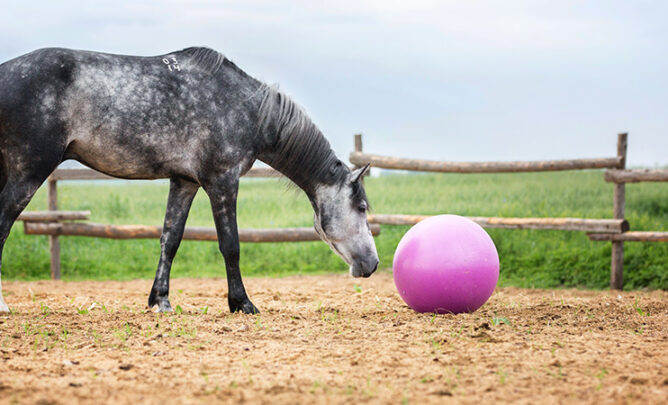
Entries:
{"x":56,"y":78}
{"x":128,"y":116}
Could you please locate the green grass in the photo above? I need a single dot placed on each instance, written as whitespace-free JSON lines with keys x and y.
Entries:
{"x":529,"y":258}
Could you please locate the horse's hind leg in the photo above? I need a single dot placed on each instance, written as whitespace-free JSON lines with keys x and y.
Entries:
{"x":15,"y":195}
{"x":181,"y":194}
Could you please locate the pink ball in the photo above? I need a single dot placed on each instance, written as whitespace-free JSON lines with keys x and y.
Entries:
{"x":446,"y":264}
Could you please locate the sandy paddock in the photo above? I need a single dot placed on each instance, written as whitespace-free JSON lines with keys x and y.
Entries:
{"x":327,"y":339}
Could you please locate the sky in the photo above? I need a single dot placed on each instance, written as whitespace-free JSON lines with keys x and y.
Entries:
{"x":448,"y":80}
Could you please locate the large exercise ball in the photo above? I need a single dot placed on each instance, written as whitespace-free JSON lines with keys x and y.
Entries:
{"x":446,"y":264}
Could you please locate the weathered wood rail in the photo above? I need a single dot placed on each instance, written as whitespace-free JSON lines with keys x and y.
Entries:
{"x":615,"y":230}
{"x":190,"y":233}
{"x":564,"y":224}
{"x":386,"y":162}
{"x":53,"y":216}
{"x":89,"y":174}
{"x":631,"y":237}
{"x":635,"y":175}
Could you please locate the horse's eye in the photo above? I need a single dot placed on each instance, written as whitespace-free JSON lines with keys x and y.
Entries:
{"x":362,"y":208}
{"x":336,"y":167}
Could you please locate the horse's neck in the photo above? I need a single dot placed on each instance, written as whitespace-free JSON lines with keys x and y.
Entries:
{"x":293,"y":144}
{"x":305,"y":167}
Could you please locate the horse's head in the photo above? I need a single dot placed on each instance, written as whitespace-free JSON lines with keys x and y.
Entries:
{"x":298,"y":149}
{"x":340,"y":220}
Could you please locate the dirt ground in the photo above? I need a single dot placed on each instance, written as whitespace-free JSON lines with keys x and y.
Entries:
{"x":327,"y":339}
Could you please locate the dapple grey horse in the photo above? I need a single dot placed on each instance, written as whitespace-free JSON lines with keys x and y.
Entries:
{"x":191,"y":116}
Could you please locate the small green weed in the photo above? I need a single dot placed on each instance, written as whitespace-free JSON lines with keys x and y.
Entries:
{"x":600,"y":376}
{"x":502,"y":375}
{"x":45,"y":309}
{"x":639,"y":310}
{"x":124,"y":332}
{"x":496,"y":321}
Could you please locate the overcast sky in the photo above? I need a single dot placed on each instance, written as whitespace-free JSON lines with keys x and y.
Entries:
{"x":453,"y":80}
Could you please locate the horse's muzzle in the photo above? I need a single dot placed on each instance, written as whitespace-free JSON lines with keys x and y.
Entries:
{"x":364,"y":268}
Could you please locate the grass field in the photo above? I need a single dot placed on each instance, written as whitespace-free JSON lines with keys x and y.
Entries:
{"x":528,"y":258}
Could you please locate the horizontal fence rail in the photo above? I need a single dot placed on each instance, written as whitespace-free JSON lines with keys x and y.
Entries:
{"x":636,"y":175}
{"x":564,"y":224}
{"x":90,"y":174}
{"x":634,"y":236}
{"x":53,"y":216}
{"x":190,"y":233}
{"x":387,"y":162}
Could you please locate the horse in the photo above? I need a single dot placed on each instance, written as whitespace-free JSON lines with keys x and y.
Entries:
{"x":192,"y":116}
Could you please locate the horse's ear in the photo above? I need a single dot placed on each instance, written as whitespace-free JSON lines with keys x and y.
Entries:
{"x":356,"y":175}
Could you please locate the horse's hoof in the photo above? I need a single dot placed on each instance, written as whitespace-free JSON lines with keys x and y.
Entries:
{"x":158,"y":303}
{"x":4,"y":309}
{"x":163,"y":307}
{"x":244,"y":306}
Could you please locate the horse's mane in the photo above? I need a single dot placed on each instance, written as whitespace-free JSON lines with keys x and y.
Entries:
{"x":206,"y":58}
{"x":301,"y":151}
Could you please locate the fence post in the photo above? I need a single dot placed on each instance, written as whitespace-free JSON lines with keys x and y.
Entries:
{"x":54,"y":242}
{"x":619,"y":197}
{"x":358,"y":143}
{"x":358,"y":148}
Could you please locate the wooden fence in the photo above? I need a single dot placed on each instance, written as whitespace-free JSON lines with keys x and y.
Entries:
{"x":53,"y":222}
{"x":615,"y":230}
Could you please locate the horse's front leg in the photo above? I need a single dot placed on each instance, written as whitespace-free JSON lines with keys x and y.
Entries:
{"x":223,"y":196}
{"x":181,"y":194}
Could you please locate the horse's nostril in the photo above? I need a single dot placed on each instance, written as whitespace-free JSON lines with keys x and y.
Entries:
{"x":372,"y":269}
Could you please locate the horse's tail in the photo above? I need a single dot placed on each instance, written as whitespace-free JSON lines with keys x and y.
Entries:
{"x":3,"y":126}
{"x":3,"y":169}
{"x":3,"y":166}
